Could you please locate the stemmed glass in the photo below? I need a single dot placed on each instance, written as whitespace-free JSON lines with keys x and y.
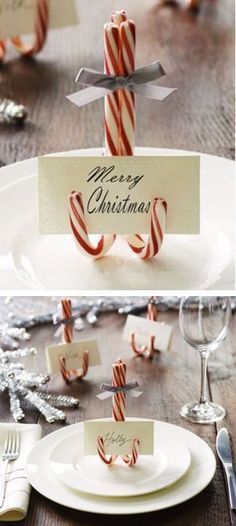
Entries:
{"x":204,"y":323}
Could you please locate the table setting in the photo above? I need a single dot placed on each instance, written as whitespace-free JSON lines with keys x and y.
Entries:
{"x":174,"y":453}
{"x":145,"y":224}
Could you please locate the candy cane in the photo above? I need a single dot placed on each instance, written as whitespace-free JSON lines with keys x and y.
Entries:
{"x":101,"y":451}
{"x":2,"y":49}
{"x":152,"y":316}
{"x":119,"y":399}
{"x":112,"y":102}
{"x":80,"y":232}
{"x":66,"y":312}
{"x":118,"y":414}
{"x":146,"y":250}
{"x":118,"y":17}
{"x":131,"y":460}
{"x":127,"y":64}
{"x":41,"y":29}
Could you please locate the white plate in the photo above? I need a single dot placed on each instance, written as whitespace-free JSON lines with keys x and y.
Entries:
{"x":29,"y":261}
{"x":169,"y":463}
{"x":198,"y":476}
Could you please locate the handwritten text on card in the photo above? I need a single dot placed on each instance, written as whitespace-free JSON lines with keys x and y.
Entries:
{"x":144,"y":329}
{"x":118,"y":436}
{"x":73,"y":354}
{"x":17,"y":17}
{"x":118,"y":194}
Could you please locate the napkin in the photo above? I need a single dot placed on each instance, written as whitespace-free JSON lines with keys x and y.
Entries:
{"x":17,"y":493}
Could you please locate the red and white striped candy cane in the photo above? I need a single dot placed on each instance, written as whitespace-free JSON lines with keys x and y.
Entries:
{"x":118,"y":17}
{"x":127,"y":65}
{"x":131,"y":460}
{"x":112,"y":102}
{"x":118,"y":414}
{"x":102,"y":454}
{"x":152,"y":316}
{"x":41,"y":29}
{"x":119,"y":399}
{"x":66,"y":313}
{"x":2,"y":49}
{"x":147,"y":250}
{"x":80,"y":231}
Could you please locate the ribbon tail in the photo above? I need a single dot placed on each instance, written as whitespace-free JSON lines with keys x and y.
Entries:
{"x":150,"y":91}
{"x":105,"y":395}
{"x":87,"y":95}
{"x":136,"y":394}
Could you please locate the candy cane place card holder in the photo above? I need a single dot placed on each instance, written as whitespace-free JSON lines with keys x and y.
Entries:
{"x":119,"y":72}
{"x":119,"y":193}
{"x":33,"y":16}
{"x":71,"y":359}
{"x":146,"y":336}
{"x":119,"y":437}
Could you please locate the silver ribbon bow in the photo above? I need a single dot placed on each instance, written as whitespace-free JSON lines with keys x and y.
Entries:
{"x":100,"y":84}
{"x":111,"y":390}
{"x":64,"y":322}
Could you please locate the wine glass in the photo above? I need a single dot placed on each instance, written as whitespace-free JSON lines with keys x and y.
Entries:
{"x":204,"y":323}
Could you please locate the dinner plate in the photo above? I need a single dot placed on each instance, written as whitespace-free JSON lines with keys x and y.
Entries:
{"x":198,"y":476}
{"x":170,"y":461}
{"x":30,"y":261}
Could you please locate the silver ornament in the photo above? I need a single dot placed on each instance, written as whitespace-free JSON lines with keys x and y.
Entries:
{"x":21,"y":384}
{"x":11,"y":112}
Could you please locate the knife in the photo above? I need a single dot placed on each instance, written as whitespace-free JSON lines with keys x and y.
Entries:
{"x":225,"y":454}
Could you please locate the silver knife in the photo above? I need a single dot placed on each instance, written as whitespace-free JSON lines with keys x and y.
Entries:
{"x":224,"y":452}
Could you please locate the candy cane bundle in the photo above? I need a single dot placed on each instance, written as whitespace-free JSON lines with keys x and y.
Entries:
{"x":66,"y":314}
{"x":118,"y":414}
{"x":41,"y":29}
{"x":119,"y":61}
{"x":152,"y":316}
{"x":119,"y":106}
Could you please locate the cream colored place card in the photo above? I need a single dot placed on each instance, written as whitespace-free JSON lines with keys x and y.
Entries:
{"x":144,"y":329}
{"x":17,"y":17}
{"x":73,"y":354}
{"x":118,"y":436}
{"x":118,"y":192}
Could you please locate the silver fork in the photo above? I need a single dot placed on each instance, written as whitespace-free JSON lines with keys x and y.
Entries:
{"x":11,"y":452}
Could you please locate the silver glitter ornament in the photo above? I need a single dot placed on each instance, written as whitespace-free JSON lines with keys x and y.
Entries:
{"x":20,"y":385}
{"x":11,"y":112}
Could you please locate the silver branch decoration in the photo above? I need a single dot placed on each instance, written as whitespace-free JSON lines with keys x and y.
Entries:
{"x":21,"y":384}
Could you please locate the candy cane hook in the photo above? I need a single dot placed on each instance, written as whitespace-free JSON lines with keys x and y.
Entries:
{"x":41,"y":29}
{"x":147,"y":250}
{"x":80,"y":231}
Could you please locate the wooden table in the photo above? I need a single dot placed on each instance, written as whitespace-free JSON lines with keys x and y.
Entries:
{"x":168,"y":382}
{"x":197,"y":52}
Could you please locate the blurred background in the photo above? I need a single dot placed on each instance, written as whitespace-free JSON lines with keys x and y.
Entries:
{"x":196,"y":49}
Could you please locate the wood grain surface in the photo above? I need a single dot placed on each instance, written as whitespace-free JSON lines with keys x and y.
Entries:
{"x":196,"y":51}
{"x":167,"y":383}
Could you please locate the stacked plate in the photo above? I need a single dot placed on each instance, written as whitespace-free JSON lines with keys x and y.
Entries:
{"x":181,"y":467}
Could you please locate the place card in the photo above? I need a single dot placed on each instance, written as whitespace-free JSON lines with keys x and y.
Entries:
{"x":17,"y":17}
{"x":144,"y":329}
{"x":118,"y":192}
{"x":118,"y":436}
{"x":73,"y":353}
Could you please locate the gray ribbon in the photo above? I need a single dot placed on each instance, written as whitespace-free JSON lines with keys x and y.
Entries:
{"x":64,"y":322}
{"x":111,"y":390}
{"x":100,"y":84}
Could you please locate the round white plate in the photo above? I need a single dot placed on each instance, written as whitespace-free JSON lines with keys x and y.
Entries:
{"x":198,"y":476}
{"x":30,"y":261}
{"x":151,"y":473}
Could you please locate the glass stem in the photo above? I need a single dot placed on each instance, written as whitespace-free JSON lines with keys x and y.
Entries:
{"x":204,"y":359}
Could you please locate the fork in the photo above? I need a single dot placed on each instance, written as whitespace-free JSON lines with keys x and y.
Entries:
{"x":11,"y":452}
